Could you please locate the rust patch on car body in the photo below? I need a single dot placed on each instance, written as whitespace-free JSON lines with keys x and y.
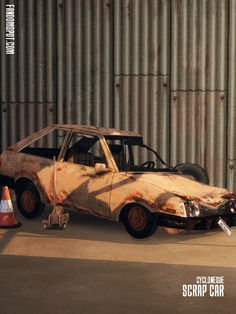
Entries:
{"x":106,"y":192}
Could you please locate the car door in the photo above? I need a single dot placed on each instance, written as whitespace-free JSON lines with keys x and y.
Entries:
{"x":83,"y":179}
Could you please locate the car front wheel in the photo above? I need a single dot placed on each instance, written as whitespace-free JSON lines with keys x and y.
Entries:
{"x":28,"y":200}
{"x":139,"y":222}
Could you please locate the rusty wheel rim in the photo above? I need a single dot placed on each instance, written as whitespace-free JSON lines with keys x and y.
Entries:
{"x":137,"y":218}
{"x":28,"y":201}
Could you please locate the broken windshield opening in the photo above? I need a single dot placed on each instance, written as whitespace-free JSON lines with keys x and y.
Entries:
{"x":130,"y":154}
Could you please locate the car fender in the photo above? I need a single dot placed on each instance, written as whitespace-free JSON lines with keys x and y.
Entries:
{"x":30,"y":176}
{"x":125,"y":191}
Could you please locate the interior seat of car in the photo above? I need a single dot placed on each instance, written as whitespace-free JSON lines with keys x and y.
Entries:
{"x":118,"y":155}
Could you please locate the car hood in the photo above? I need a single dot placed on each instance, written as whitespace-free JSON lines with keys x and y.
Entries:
{"x":186,"y":188}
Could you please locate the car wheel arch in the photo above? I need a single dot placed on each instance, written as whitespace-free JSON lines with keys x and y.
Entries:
{"x":23,"y":180}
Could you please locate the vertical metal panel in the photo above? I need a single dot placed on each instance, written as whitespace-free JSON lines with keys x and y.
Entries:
{"x":141,"y":105}
{"x":199,"y":69}
{"x":15,"y":115}
{"x":31,"y":73}
{"x":231,"y":174}
{"x":199,"y":45}
{"x":141,"y":37}
{"x":199,"y":133}
{"x":85,"y":62}
{"x":3,"y":66}
{"x":28,"y":78}
{"x":141,"y":89}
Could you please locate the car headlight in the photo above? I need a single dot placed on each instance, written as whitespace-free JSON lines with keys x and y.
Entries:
{"x":183,"y":209}
{"x":193,"y":208}
{"x":233,"y":207}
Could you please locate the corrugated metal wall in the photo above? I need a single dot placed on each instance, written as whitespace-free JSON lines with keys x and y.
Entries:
{"x":164,"y":68}
{"x":142,"y":37}
{"x":231,"y":122}
{"x":28,"y":78}
{"x":199,"y":69}
{"x":142,"y":70}
{"x":199,"y":132}
{"x":85,"y":62}
{"x":199,"y":41}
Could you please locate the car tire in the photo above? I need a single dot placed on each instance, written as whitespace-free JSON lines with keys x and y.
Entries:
{"x":28,"y":200}
{"x":139,"y":222}
{"x":194,"y":170}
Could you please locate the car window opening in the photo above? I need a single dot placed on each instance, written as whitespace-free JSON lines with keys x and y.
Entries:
{"x":85,"y":150}
{"x":130,"y":154}
{"x":47,"y":146}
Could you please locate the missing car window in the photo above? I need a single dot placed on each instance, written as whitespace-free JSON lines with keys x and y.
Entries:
{"x":48,"y":145}
{"x":85,"y":150}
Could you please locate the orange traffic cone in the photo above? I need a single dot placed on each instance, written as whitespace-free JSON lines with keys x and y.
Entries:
{"x":7,"y":216}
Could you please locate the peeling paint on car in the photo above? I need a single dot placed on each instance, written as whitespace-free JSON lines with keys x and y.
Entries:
{"x":107,"y":191}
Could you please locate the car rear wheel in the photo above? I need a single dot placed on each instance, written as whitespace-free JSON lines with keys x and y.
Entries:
{"x":28,"y":200}
{"x":139,"y":222}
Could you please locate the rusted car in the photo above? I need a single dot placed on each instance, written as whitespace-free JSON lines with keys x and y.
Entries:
{"x":109,"y":173}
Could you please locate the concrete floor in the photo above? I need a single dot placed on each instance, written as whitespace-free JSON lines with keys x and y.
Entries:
{"x":96,"y":267}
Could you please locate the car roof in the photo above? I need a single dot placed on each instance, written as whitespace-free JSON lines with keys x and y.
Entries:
{"x":95,"y":130}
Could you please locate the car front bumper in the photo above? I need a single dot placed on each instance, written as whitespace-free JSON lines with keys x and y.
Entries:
{"x":206,"y":219}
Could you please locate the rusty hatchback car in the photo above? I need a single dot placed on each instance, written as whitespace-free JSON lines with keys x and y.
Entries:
{"x":109,"y":173}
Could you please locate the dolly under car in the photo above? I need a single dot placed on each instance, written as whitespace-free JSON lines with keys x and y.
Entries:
{"x":109,"y":173}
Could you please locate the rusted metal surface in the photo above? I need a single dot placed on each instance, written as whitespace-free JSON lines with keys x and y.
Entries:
{"x":203,"y":86}
{"x":142,"y":69}
{"x":137,"y":218}
{"x":85,"y":62}
{"x":27,"y":200}
{"x":28,"y":78}
{"x":199,"y":40}
{"x":199,"y":132}
{"x":142,"y":37}
{"x":163,"y":192}
{"x":141,"y":105}
{"x":231,"y":155}
{"x":96,"y":130}
{"x":117,"y":64}
{"x":21,"y":119}
{"x":56,"y":219}
{"x":106,"y":193}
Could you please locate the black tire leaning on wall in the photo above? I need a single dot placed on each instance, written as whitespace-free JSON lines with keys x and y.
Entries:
{"x":194,"y":170}
{"x":28,"y":200}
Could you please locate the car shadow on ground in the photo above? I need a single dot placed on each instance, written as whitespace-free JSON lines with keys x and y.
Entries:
{"x":87,"y":227}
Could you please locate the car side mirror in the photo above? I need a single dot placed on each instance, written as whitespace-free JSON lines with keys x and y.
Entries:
{"x":99,"y":167}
